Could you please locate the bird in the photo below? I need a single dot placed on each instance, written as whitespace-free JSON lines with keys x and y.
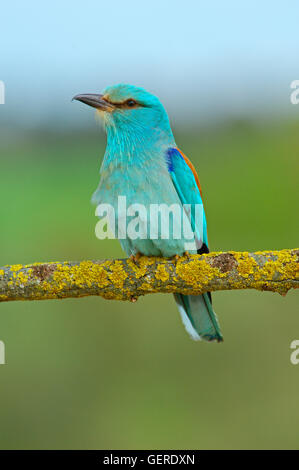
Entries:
{"x":143,"y":163}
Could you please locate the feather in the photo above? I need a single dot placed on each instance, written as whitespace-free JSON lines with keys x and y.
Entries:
{"x":197,"y":312}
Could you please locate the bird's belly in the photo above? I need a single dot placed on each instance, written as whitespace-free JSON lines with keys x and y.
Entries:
{"x":139,"y":221}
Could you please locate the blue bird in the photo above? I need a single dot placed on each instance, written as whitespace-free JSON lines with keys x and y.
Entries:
{"x":142,"y":163}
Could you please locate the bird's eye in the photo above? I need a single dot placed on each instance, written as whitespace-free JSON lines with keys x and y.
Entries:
{"x":131,"y":103}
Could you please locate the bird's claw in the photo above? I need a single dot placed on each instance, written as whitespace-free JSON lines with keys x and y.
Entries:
{"x":135,"y":258}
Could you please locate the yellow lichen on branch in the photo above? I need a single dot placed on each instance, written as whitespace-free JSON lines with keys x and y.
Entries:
{"x":276,"y":271}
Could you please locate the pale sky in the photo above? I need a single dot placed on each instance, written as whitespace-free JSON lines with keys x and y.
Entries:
{"x":201,"y":58}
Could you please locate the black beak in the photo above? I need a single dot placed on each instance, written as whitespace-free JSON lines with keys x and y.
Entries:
{"x":95,"y":101}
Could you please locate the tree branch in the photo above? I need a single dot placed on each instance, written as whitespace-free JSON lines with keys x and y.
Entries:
{"x":276,"y":271}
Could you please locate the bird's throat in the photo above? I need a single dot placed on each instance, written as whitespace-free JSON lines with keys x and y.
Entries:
{"x":137,"y":148}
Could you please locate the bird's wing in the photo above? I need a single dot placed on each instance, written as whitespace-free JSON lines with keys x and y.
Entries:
{"x":187,"y":185}
{"x":197,"y":312}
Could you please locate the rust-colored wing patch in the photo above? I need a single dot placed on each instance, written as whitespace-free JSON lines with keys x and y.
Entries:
{"x":191,"y":166}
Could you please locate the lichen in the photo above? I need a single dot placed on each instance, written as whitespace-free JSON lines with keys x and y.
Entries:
{"x":118,"y":274}
{"x":15,"y":267}
{"x":141,"y":267}
{"x":246,"y":264}
{"x":147,"y":286}
{"x":22,"y":279}
{"x":161,"y":273}
{"x":197,"y":272}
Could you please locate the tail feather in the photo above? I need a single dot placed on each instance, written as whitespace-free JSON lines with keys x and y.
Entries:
{"x":199,"y":317}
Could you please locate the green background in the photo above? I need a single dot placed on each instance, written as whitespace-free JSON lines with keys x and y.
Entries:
{"x":92,"y":373}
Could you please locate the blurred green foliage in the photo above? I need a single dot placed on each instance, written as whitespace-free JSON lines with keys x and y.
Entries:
{"x":90,"y":373}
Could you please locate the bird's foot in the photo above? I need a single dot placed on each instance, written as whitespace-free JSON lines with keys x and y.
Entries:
{"x":175,"y":258}
{"x":135,"y":258}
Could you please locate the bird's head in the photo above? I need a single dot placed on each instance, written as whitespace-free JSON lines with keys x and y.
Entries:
{"x":128,"y":109}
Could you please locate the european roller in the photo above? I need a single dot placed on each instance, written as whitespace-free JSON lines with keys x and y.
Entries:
{"x":143,"y":164}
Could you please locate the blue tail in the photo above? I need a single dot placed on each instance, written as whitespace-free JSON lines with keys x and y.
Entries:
{"x":199,"y":317}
